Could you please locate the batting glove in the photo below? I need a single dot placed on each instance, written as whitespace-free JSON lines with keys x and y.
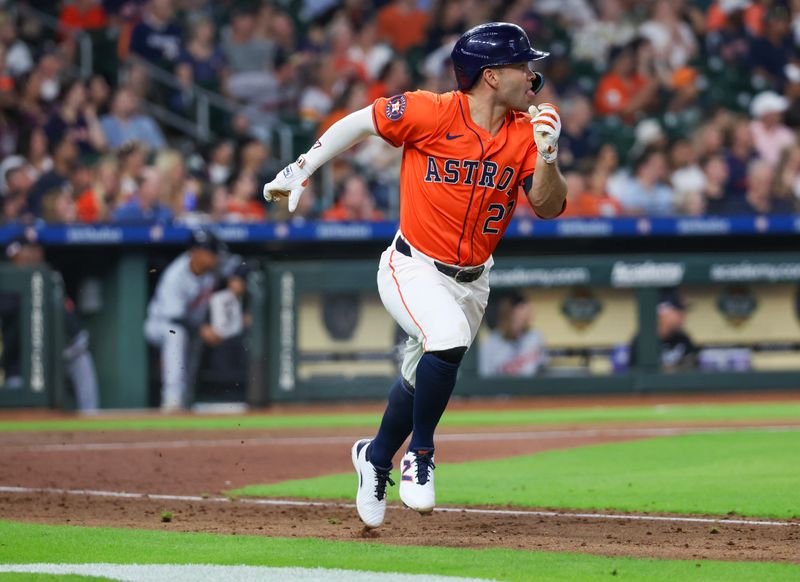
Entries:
{"x":546,"y":130}
{"x":291,"y":182}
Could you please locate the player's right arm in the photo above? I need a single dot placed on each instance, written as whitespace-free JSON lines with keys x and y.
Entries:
{"x":342,"y":135}
{"x":406,"y":118}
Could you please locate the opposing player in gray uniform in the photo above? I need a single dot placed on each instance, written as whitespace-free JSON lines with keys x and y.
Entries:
{"x":177,"y":313}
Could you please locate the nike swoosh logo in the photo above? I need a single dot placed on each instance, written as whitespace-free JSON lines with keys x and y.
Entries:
{"x":449,"y":137}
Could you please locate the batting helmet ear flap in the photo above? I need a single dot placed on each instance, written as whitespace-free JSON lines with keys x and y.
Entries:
{"x":537,"y":83}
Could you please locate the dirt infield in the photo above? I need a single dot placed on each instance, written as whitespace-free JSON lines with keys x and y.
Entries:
{"x":203,"y":463}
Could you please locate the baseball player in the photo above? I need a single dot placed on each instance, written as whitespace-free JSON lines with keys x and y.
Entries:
{"x":177,"y":314}
{"x":465,"y":155}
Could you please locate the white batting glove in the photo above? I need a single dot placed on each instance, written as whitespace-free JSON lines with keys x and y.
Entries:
{"x":546,"y":130}
{"x":291,"y":182}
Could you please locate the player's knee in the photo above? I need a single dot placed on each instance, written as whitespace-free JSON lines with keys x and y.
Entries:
{"x":452,"y":355}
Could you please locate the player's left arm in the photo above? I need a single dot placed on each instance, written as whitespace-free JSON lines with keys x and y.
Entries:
{"x":546,"y":188}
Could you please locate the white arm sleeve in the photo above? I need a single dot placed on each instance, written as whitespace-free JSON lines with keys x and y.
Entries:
{"x":342,"y":135}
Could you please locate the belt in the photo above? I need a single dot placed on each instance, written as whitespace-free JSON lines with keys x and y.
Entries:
{"x":462,"y":275}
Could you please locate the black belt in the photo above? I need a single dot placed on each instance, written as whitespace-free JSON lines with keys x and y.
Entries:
{"x":462,"y":275}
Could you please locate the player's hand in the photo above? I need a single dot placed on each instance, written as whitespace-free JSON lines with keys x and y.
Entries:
{"x":209,"y":336}
{"x":546,"y":130}
{"x":291,"y":182}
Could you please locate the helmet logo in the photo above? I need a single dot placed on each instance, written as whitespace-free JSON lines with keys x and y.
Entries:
{"x":396,"y":107}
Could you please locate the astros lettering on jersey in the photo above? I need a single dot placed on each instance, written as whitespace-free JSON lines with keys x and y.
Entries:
{"x":459,"y":183}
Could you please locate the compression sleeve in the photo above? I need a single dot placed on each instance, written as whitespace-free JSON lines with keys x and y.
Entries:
{"x":342,"y":135}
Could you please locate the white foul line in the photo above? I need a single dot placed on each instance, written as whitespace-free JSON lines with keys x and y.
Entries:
{"x":298,"y":503}
{"x":444,"y":437}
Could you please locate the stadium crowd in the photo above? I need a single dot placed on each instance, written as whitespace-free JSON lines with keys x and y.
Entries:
{"x":670,"y":107}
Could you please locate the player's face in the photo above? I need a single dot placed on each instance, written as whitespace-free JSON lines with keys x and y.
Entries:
{"x":514,"y":90}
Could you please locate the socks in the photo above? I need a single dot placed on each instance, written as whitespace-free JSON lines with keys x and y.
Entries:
{"x":436,"y":379}
{"x":396,"y":425}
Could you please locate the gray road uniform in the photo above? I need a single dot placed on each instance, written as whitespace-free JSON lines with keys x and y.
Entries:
{"x":175,"y":313}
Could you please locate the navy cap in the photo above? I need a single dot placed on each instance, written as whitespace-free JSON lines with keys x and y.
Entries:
{"x":671,"y":298}
{"x":202,"y":238}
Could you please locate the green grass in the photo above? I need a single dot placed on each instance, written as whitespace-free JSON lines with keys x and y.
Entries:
{"x":776,"y":411}
{"x":26,"y":543}
{"x":755,"y":473}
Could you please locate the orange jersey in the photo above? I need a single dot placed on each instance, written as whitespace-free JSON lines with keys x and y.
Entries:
{"x":458,"y":183}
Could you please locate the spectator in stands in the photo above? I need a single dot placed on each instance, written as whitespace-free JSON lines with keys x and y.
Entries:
{"x":65,"y":161}
{"x":202,"y":61}
{"x":47,"y":75}
{"x":393,"y":79}
{"x":593,"y":41}
{"x":647,"y":193}
{"x":19,"y":59}
{"x":353,"y":98}
{"x":709,"y":140}
{"x":715,"y":177}
{"x":177,"y":190}
{"x":770,"y":135}
{"x":317,"y":99}
{"x":98,"y":94}
{"x":787,"y":175}
{"x":687,"y":178}
{"x":157,"y":38}
{"x":672,"y":38}
{"x":355,"y":203}
{"x":125,"y":123}
{"x":370,"y":52}
{"x":76,"y":118}
{"x":760,"y":197}
{"x":16,"y":181}
{"x":595,"y":201}
{"x":244,"y":50}
{"x":132,"y":160}
{"x":512,"y":348}
{"x":739,"y":154}
{"x":730,"y":26}
{"x":58,"y":206}
{"x":96,"y":203}
{"x":578,"y":140}
{"x":771,"y":52}
{"x":220,"y":162}
{"x":677,"y":350}
{"x":624,"y":91}
{"x":402,"y":24}
{"x":244,"y":204}
{"x":145,"y":207}
{"x":254,"y":160}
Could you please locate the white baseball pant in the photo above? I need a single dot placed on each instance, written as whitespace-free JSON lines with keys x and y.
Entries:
{"x":436,"y":311}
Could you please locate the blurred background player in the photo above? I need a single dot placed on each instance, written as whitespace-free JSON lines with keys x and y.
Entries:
{"x":513,"y":348}
{"x":677,"y":350}
{"x":177,"y":313}
{"x":25,"y":253}
{"x":466,"y":153}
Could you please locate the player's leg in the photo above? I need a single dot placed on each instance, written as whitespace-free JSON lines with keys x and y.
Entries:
{"x":80,"y":367}
{"x":171,"y":338}
{"x":427,"y":305}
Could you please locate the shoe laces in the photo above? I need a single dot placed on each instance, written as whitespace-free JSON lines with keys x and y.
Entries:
{"x":381,"y":479}
{"x":424,"y":465}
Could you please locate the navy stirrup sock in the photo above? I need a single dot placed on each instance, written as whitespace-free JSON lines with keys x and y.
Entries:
{"x":436,"y":379}
{"x":398,"y":419}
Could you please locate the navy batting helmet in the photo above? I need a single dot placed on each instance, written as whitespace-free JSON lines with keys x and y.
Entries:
{"x":491,"y":45}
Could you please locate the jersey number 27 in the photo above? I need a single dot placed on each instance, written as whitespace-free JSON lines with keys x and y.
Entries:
{"x":496,"y":214}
